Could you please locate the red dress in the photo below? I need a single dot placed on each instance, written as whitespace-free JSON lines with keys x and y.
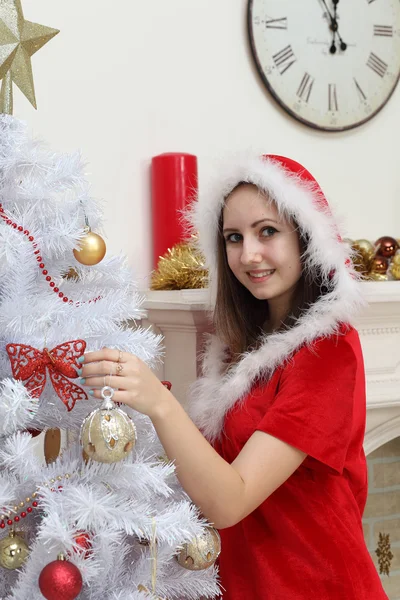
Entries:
{"x":306,"y":540}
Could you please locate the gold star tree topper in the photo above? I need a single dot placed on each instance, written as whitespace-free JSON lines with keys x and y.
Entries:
{"x":19,"y":40}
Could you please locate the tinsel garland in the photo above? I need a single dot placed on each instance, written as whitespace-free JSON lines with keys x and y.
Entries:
{"x":181,"y":268}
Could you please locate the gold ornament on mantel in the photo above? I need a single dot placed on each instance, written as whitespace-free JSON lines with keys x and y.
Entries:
{"x":19,"y":40}
{"x":181,"y":268}
{"x":379,"y":261}
{"x":202,"y":552}
{"x":364,"y":252}
{"x":92,"y":248}
{"x":395,"y":266}
{"x":13,"y":551}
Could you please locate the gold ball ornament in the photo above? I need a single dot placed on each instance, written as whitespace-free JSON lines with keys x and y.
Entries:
{"x":395,"y":266}
{"x":202,"y":552}
{"x":108,"y":434}
{"x":364,"y":252}
{"x":92,"y":249}
{"x":13,"y":551}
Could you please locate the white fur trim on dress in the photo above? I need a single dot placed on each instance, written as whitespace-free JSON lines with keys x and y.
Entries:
{"x":216,"y":392}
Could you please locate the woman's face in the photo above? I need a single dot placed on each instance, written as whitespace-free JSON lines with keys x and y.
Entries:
{"x":263,"y":249}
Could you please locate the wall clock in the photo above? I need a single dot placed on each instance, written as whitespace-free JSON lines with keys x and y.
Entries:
{"x":331,"y":64}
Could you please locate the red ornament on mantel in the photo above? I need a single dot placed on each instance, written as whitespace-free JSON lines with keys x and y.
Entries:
{"x":386,"y":246}
{"x":173,"y":186}
{"x":60,"y":580}
{"x":29,"y":365}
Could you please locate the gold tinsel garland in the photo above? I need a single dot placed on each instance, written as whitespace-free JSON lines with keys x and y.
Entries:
{"x":181,"y":268}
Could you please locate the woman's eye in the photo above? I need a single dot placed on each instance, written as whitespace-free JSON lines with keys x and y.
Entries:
{"x":268,"y":231}
{"x":233,"y":237}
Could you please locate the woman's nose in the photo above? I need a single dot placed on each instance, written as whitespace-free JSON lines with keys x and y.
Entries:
{"x":251,"y":253}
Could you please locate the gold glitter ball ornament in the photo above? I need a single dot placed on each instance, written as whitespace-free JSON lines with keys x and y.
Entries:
{"x":395,"y":266}
{"x":202,"y":552}
{"x":108,"y":434}
{"x":181,"y":268}
{"x":364,"y":252}
{"x":13,"y":551}
{"x":365,"y":247}
{"x":92,"y":249}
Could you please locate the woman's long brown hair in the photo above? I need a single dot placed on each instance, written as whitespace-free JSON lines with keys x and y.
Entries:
{"x":239,"y":316}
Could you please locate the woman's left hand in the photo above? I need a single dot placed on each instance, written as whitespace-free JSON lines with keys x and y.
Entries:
{"x":134,"y":383}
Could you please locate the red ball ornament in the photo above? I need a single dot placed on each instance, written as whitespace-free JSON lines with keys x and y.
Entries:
{"x":84,"y":542}
{"x":60,"y":580}
{"x":386,"y":246}
{"x":379,"y":264}
{"x":34,"y":432}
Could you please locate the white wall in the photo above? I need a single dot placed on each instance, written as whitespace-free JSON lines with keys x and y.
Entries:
{"x":128,"y":79}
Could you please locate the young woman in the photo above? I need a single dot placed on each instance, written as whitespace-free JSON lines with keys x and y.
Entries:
{"x":276,"y":460}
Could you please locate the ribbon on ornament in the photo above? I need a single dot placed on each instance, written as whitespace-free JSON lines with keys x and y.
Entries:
{"x":30,"y":366}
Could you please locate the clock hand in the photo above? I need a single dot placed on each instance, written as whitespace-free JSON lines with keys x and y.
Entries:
{"x":335,"y":28}
{"x":343,"y":45}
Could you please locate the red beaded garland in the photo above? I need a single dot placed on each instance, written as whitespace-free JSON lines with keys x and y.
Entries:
{"x":39,"y":258}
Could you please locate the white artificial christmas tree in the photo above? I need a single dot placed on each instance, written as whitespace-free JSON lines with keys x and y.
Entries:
{"x":119,"y":525}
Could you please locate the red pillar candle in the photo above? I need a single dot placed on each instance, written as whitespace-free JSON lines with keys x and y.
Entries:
{"x":173,"y":183}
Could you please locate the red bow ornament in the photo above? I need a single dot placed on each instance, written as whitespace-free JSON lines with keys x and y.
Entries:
{"x":29,"y":365}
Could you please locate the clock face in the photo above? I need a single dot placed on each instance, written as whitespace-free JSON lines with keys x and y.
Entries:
{"x":331,"y":64}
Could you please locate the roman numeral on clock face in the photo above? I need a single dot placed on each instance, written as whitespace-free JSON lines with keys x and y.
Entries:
{"x":383,"y":30}
{"x":276,"y":23}
{"x":359,"y":90}
{"x":284,"y":59}
{"x":305,"y":87}
{"x":332,"y":97}
{"x":377,"y":64}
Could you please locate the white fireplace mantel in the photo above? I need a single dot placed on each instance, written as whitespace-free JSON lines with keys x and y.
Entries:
{"x":182,"y":318}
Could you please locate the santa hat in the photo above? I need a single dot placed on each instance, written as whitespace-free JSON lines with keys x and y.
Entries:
{"x":297,"y":196}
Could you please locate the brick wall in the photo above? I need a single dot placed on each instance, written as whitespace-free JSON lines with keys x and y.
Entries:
{"x":382,"y":512}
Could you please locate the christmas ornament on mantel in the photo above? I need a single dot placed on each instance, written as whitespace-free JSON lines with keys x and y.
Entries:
{"x":93,"y":514}
{"x":181,"y":268}
{"x":377,"y":261}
